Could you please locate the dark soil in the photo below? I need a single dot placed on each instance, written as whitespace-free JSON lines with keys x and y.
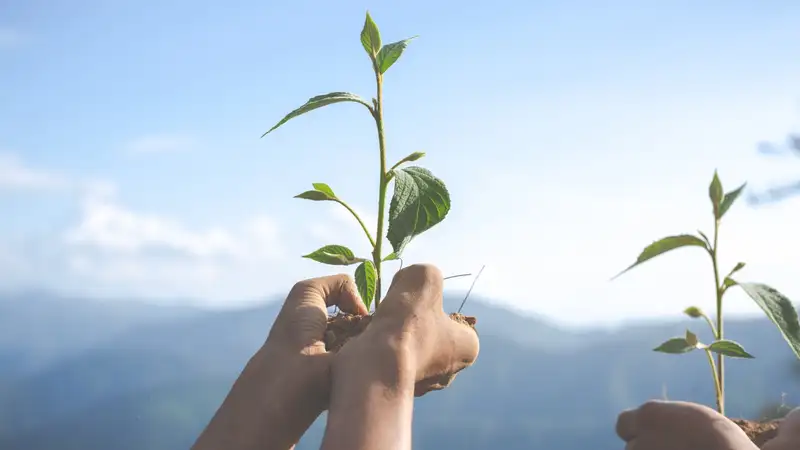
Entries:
{"x":759,"y":432}
{"x":342,"y":327}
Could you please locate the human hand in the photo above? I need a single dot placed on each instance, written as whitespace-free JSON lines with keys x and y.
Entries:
{"x":295,"y":346}
{"x":410,"y":334}
{"x":665,"y":425}
{"x":286,"y":384}
{"x":788,"y":437}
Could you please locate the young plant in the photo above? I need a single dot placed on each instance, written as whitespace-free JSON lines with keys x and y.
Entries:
{"x":420,"y":200}
{"x":775,"y":305}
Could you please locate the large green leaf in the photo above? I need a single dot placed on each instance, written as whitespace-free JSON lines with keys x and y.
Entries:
{"x":420,"y":201}
{"x":318,"y":102}
{"x":675,"y":346}
{"x":371,"y":37}
{"x":335,"y":255}
{"x":365,"y":281}
{"x":778,"y":309}
{"x":729,"y":348}
{"x":663,"y":246}
{"x":729,"y":199}
{"x":715,"y":193}
{"x":390,"y":53}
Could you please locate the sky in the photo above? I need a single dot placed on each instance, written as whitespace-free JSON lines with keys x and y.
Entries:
{"x":570,"y":135}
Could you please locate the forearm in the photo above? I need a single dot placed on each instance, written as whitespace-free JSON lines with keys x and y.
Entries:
{"x":259,"y":413}
{"x":371,"y":405}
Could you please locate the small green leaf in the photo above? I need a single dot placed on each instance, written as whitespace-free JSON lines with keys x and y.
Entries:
{"x":691,"y":339}
{"x":675,"y":346}
{"x":729,"y":199}
{"x":420,"y":201}
{"x":728,"y":282}
{"x":694,"y":312}
{"x":371,"y":37}
{"x":335,"y":255}
{"x":778,"y":309}
{"x":738,"y":267}
{"x":412,"y":157}
{"x":729,"y":348}
{"x":322,"y":187}
{"x":390,"y":53}
{"x":705,"y":238}
{"x":318,"y":102}
{"x":317,"y":196}
{"x":663,"y":246}
{"x":365,"y":281}
{"x":391,"y":257}
{"x":715,"y":193}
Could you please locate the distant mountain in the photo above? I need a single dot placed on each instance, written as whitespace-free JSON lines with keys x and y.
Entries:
{"x":126,"y":375}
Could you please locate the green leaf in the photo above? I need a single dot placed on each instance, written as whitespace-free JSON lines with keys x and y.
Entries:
{"x":412,"y":157}
{"x":391,"y":257}
{"x":420,"y":201}
{"x":318,"y":102}
{"x":674,"y":346}
{"x":371,"y":37}
{"x":729,"y":348}
{"x":365,"y":281}
{"x":390,"y":53}
{"x":335,"y":255}
{"x":322,"y":187}
{"x":728,"y":282}
{"x":316,"y":196}
{"x":705,"y":238}
{"x":736,"y":268}
{"x":694,"y":312}
{"x":663,"y":246}
{"x":778,"y":309}
{"x":715,"y":193}
{"x":729,"y":199}
{"x":691,"y":339}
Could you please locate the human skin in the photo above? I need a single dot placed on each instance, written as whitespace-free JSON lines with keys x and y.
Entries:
{"x":672,"y":425}
{"x":286,"y":385}
{"x":411,"y":347}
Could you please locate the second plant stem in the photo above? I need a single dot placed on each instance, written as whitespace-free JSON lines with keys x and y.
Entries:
{"x":720,"y":372}
{"x":376,"y":250}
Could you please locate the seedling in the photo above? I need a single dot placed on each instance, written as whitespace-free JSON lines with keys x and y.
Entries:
{"x":775,"y":305}
{"x":419,"y":202}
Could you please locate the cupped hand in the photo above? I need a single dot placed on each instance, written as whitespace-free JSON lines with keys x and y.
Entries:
{"x":412,"y":326}
{"x":298,"y":366}
{"x":667,"y":425}
{"x":788,"y":437}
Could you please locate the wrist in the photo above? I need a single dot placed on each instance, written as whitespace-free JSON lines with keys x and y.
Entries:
{"x":384,"y":362}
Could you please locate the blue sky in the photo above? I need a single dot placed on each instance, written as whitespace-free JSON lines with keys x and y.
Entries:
{"x":570,"y":134}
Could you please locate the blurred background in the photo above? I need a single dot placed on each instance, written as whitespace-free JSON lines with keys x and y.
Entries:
{"x":148,"y":235}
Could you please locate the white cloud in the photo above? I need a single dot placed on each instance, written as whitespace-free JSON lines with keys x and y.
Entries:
{"x":108,"y":227}
{"x":15,"y":175}
{"x":161,"y":143}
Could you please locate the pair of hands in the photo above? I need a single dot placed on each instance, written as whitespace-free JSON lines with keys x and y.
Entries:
{"x":664,"y":425}
{"x":409,"y":334}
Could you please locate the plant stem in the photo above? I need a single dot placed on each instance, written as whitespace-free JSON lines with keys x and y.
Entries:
{"x":720,"y":372}
{"x":360,"y":222}
{"x":711,"y":325}
{"x":717,"y":387}
{"x":376,"y":249}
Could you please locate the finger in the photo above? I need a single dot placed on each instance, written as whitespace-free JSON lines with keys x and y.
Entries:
{"x":627,"y":426}
{"x":334,"y":290}
{"x":791,"y":424}
{"x":420,"y":281}
{"x":467,"y":344}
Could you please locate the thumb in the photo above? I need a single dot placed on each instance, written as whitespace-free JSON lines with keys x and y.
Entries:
{"x":418,"y":283}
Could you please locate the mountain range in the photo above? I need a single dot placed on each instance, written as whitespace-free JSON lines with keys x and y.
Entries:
{"x":129,"y":375}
